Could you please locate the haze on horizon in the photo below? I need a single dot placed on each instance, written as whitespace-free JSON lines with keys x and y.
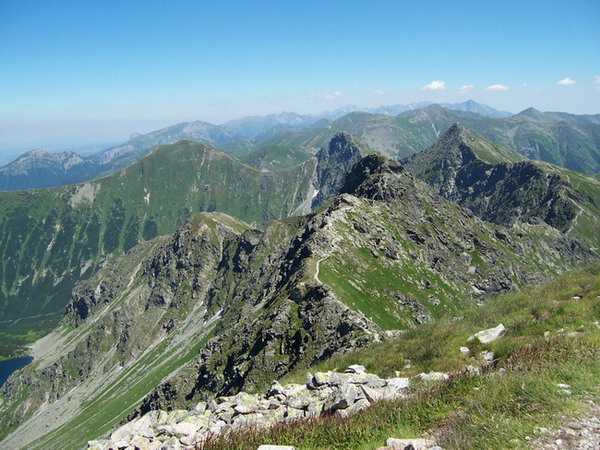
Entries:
{"x":83,"y":73}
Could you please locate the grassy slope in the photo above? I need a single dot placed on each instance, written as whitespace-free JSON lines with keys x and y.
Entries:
{"x":276,"y":157}
{"x":569,"y":144}
{"x":48,"y":242}
{"x":492,"y":410}
{"x":429,"y":164}
{"x":116,"y":388}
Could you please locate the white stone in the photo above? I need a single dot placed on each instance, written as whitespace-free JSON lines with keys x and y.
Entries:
{"x":201,"y":407}
{"x":488,"y":356}
{"x":96,"y":445}
{"x":433,"y":376}
{"x":140,"y":442}
{"x":472,"y":370}
{"x":373,"y":381}
{"x":398,"y":383}
{"x":464,"y":350}
{"x":356,"y":368}
{"x":123,"y":433}
{"x":321,"y":378}
{"x":489,"y":335}
{"x":372,"y":395}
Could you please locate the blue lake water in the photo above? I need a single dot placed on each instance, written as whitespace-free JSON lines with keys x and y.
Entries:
{"x":10,"y":365}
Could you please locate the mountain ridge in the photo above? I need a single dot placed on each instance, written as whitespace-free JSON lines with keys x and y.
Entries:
{"x":545,"y":136}
{"x":220,"y":306}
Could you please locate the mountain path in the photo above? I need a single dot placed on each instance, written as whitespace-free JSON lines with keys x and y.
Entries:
{"x":319,"y":261}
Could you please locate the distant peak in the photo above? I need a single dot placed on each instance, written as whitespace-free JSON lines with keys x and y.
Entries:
{"x":341,"y":145}
{"x":460,"y":140}
{"x":532,"y":112}
{"x":456,"y":128}
{"x":36,"y":152}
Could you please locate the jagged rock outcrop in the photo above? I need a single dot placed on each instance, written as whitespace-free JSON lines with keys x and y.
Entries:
{"x":324,"y":393}
{"x":57,"y":237}
{"x":334,"y":162}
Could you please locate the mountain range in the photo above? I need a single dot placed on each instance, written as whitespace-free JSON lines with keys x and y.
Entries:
{"x":503,"y":187}
{"x":221,"y":305}
{"x":190,"y":274}
{"x":41,"y":169}
{"x":562,"y":139}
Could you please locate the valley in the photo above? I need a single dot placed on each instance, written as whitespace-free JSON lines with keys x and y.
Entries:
{"x":52,"y":238}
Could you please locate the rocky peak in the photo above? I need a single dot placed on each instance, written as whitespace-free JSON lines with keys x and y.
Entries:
{"x":341,"y":143}
{"x":376,"y":177}
{"x":497,"y":184}
{"x":333,"y":163}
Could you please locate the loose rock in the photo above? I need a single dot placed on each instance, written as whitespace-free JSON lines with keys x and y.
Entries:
{"x":489,"y":335}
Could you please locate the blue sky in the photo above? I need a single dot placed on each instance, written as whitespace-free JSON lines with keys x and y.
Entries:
{"x":81,"y":72}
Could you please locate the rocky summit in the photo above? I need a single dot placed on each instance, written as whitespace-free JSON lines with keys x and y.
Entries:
{"x":503,"y":187}
{"x":221,"y":307}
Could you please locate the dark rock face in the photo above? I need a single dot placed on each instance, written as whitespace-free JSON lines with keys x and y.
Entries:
{"x":370,"y":178}
{"x":334,"y":162}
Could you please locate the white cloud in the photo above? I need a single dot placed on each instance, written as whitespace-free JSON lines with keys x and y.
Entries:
{"x":597,"y":80}
{"x":566,"y":82}
{"x":435,"y":86}
{"x":378,"y":92}
{"x":308,"y":95}
{"x":336,"y":94}
{"x":465,"y":88}
{"x":355,"y":86}
{"x":496,"y":87}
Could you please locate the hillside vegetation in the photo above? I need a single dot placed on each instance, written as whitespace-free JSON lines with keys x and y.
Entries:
{"x":553,"y":339}
{"x":565,"y":140}
{"x":503,"y":187}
